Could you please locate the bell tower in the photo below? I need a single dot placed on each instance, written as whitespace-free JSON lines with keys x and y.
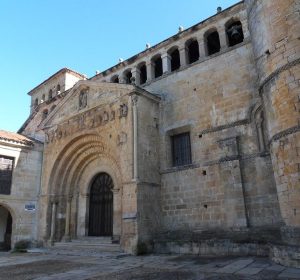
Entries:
{"x":275,"y":31}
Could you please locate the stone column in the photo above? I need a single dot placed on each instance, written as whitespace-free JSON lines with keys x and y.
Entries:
{"x":117,"y":215}
{"x":121,"y":79}
{"x":183,"y":56}
{"x":67,"y":237}
{"x":150,"y":71}
{"x":202,"y":46}
{"x":136,"y":75}
{"x":223,"y":37}
{"x":54,"y":203}
{"x":166,"y":62}
{"x":135,"y":136}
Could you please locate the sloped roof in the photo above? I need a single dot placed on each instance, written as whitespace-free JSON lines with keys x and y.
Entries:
{"x":15,"y":138}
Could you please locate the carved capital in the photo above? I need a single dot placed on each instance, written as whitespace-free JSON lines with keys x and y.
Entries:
{"x":69,"y":198}
{"x":123,"y":110}
{"x":54,"y":200}
{"x":134,"y":99}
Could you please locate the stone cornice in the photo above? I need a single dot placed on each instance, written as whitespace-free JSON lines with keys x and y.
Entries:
{"x":225,"y":126}
{"x":284,"y":133}
{"x":214,"y":162}
{"x":275,"y":73}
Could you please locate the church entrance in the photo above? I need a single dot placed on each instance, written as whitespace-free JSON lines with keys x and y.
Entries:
{"x":5,"y":229}
{"x":101,"y":206}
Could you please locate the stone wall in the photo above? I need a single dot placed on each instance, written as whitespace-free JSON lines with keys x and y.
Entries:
{"x":24,"y":190}
{"x":230,"y":182}
{"x":277,"y":63}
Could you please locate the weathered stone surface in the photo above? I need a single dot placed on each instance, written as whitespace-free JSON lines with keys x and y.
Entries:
{"x":230,"y":187}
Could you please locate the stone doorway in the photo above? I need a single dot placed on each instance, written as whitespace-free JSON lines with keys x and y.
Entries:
{"x":5,"y":228}
{"x":101,"y":206}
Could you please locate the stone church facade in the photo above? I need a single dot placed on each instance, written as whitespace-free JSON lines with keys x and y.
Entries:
{"x":190,"y":146}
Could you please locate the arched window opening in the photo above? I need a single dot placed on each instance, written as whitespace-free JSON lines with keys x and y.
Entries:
{"x":43,"y":98}
{"x":234,"y":33}
{"x":50,"y":95}
{"x":36,"y":102}
{"x":127,"y":77}
{"x":192,"y":51}
{"x":58,"y":88}
{"x":158,"y":69}
{"x":115,"y":79}
{"x":213,"y":42}
{"x":45,"y":114}
{"x":175,"y":59}
{"x":143,"y":74}
{"x":5,"y":228}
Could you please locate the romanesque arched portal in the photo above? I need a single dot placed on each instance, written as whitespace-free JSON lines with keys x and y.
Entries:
{"x":84,"y":197}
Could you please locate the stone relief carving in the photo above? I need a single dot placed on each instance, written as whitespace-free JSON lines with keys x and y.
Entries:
{"x":134,"y":99}
{"x":122,"y":138}
{"x":259,"y":120}
{"x":83,"y":99}
{"x":105,"y":116}
{"x":123,"y":110}
{"x":87,"y":120}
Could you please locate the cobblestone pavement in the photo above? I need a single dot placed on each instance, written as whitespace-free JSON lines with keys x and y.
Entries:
{"x":50,"y":265}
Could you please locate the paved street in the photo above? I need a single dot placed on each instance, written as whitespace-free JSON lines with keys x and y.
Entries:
{"x":63,"y":265}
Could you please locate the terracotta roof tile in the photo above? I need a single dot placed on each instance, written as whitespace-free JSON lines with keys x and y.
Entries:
{"x":15,"y":137}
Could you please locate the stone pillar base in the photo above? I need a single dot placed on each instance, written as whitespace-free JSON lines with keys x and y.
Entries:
{"x":66,"y":238}
{"x":290,"y":235}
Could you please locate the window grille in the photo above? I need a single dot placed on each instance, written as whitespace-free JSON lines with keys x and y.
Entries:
{"x":181,"y":149}
{"x":6,"y":169}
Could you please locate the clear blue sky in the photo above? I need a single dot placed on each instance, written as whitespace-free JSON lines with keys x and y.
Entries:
{"x":39,"y":37}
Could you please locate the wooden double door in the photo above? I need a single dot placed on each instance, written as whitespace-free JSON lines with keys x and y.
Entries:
{"x":101,"y":206}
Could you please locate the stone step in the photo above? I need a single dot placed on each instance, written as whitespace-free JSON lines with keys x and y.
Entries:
{"x":87,"y":246}
{"x":93,"y":240}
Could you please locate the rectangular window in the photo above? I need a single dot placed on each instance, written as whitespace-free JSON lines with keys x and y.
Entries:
{"x":181,"y":149}
{"x":6,"y":169}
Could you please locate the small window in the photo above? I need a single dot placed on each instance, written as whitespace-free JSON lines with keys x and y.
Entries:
{"x":192,"y":51}
{"x":45,"y":114}
{"x":36,"y":102}
{"x":6,"y":170}
{"x":115,"y":79}
{"x":234,"y":32}
{"x":50,"y":95}
{"x":143,"y":74}
{"x":127,"y":77}
{"x":43,"y":98}
{"x":158,"y":69}
{"x":175,"y":59}
{"x":181,"y":149}
{"x":213,"y":42}
{"x":58,"y":88}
